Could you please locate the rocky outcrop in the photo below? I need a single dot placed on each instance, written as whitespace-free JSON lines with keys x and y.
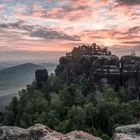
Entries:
{"x":41,"y":76}
{"x":41,"y":132}
{"x":85,"y":62}
{"x":94,"y":63}
{"x":128,"y":132}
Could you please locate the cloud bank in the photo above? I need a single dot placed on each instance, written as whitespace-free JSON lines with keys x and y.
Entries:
{"x":57,"y":26}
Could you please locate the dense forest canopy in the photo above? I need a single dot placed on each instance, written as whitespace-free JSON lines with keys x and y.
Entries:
{"x":82,"y":94}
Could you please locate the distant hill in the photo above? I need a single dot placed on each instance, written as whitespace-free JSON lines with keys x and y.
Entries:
{"x":17,"y":75}
{"x":4,"y":65}
{"x":14,"y":78}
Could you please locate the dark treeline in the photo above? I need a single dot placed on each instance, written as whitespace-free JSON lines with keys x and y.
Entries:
{"x":89,"y":91}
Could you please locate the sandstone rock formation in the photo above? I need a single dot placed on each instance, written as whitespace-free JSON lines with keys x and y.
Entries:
{"x":128,"y":132}
{"x":94,"y":63}
{"x":41,"y":132}
{"x":41,"y":76}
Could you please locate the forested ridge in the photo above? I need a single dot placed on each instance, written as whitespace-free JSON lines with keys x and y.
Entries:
{"x":81,"y":95}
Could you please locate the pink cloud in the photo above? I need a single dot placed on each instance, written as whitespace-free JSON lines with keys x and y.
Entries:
{"x":5,"y":18}
{"x":102,"y":22}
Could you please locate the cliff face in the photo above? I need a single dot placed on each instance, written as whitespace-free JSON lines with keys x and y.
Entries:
{"x":97,"y":64}
{"x":128,"y":132}
{"x":41,"y":132}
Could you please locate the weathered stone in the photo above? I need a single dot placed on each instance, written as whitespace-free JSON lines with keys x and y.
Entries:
{"x":41,"y":132}
{"x":95,"y":63}
{"x":128,"y":132}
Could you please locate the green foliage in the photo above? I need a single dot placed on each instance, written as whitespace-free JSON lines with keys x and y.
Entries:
{"x":11,"y":112}
{"x":69,"y":107}
{"x":88,"y":50}
{"x":105,"y":137}
{"x":126,"y":95}
{"x":73,"y":100}
{"x":74,"y":106}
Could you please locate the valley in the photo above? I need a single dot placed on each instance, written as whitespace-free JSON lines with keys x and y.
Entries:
{"x":15,"y":78}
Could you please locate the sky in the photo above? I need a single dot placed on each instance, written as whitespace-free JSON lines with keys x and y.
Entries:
{"x":44,"y":30}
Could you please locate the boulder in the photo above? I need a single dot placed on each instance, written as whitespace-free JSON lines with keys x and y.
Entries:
{"x":41,"y":132}
{"x":127,"y":132}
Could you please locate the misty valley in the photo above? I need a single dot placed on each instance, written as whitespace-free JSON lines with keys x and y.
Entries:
{"x":14,"y":77}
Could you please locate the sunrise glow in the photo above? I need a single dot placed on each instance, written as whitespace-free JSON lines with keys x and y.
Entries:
{"x":108,"y":42}
{"x":60,"y":25}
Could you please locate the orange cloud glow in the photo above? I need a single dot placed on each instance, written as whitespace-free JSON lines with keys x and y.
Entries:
{"x":60,"y":25}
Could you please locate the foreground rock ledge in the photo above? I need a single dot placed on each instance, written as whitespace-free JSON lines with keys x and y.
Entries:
{"x":41,"y":132}
{"x":127,"y":132}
